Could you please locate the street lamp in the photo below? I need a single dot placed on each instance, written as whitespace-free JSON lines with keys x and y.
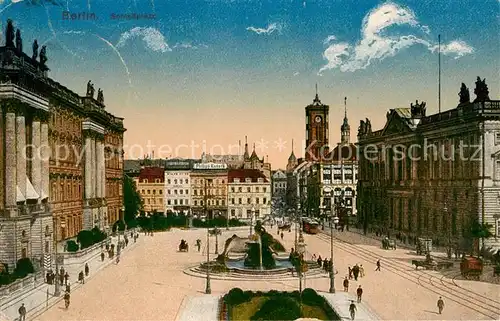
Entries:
{"x":332,"y":271}
{"x":57,"y":290}
{"x":208,"y":289}
{"x":252,"y":213}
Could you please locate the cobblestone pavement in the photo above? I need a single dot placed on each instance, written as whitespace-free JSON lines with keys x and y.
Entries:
{"x":149,"y":283}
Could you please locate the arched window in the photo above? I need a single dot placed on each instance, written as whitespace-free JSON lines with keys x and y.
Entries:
{"x":23,"y":233}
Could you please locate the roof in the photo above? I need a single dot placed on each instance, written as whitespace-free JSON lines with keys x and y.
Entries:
{"x":343,"y":153}
{"x":243,"y":174}
{"x":131,"y":165}
{"x":151,"y":173}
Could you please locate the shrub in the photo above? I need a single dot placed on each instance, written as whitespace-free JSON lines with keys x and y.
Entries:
{"x":311,"y":297}
{"x":118,"y":225}
{"x":273,"y":293}
{"x":98,"y":235}
{"x":235,"y":296}
{"x":85,"y":238}
{"x":278,"y":308}
{"x":23,"y":267}
{"x":71,"y":246}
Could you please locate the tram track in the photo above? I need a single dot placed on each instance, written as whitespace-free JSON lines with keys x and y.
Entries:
{"x":449,"y":290}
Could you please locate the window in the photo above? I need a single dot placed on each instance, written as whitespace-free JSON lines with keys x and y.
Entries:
{"x":186,"y":181}
{"x":195,"y":192}
{"x":175,"y":191}
{"x":256,"y":189}
{"x":239,"y":201}
{"x":181,"y":191}
{"x":161,"y":192}
{"x":195,"y":203}
{"x":180,"y":202}
{"x":187,"y":191}
{"x":233,"y":212}
{"x":240,"y":189}
{"x":249,"y":200}
{"x":175,"y":202}
{"x":232,"y":189}
{"x":149,"y":191}
{"x":168,"y":181}
{"x":175,"y":181}
{"x":168,"y":191}
{"x":232,"y":201}
{"x":142,"y":191}
{"x":264,"y":201}
{"x":497,"y":171}
{"x":249,"y":189}
{"x":264,"y":189}
{"x":154,"y":192}
{"x":497,"y":138}
{"x":145,"y":180}
{"x":168,"y":202}
{"x":498,"y":228}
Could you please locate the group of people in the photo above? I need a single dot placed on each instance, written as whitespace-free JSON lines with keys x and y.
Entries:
{"x":356,"y":271}
{"x":325,"y":264}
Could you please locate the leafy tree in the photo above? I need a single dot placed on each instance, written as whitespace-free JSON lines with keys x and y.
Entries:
{"x":72,"y":246}
{"x":24,"y":267}
{"x":131,"y":199}
{"x":85,"y":238}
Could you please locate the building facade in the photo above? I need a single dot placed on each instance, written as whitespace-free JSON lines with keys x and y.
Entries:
{"x":436,"y":175}
{"x":178,"y":185}
{"x":50,"y":192}
{"x":317,"y":130}
{"x":150,"y":185}
{"x":249,"y":194}
{"x":209,"y":190}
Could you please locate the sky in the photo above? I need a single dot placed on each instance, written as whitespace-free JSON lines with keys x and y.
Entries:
{"x":190,"y":76}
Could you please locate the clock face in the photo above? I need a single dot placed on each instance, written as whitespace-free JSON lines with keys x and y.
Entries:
{"x":317,"y":119}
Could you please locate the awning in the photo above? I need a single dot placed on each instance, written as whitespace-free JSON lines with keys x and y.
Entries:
{"x":31,"y":194}
{"x":43,"y":195}
{"x":19,"y":195}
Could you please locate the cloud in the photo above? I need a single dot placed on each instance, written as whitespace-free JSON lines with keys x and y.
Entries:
{"x":272,"y":27}
{"x":331,"y":38}
{"x":187,"y":45}
{"x":296,"y":73}
{"x":153,"y":38}
{"x":380,"y":40}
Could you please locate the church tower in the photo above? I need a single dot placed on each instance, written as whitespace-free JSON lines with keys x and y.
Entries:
{"x":345,"y":129}
{"x":292,"y":161}
{"x":317,"y":130}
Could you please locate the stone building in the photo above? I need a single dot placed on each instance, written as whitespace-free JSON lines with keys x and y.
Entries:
{"x":433,"y":175}
{"x":209,"y":190}
{"x":178,"y":185}
{"x":47,"y":188}
{"x":249,"y":192}
{"x":150,"y":186}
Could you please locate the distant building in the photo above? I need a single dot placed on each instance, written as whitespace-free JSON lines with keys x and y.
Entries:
{"x":433,"y":176}
{"x":209,"y":189}
{"x":249,"y":191}
{"x":150,"y":185}
{"x":279,"y":184}
{"x":178,"y":185}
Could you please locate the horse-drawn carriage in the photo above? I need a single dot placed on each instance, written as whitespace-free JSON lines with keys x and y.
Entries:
{"x":471,"y":268}
{"x":183,"y":247}
{"x":430,"y":264}
{"x":387,"y":244}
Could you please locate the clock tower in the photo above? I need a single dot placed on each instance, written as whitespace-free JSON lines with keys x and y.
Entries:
{"x":317,"y":130}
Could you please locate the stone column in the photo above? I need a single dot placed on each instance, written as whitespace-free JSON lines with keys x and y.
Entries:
{"x":103,"y":171}
{"x":88,"y":167}
{"x":45,"y":153}
{"x":36,"y":162}
{"x":93,"y":169}
{"x":10,"y":157}
{"x":98,"y":168}
{"x":21,"y":153}
{"x":2,"y":161}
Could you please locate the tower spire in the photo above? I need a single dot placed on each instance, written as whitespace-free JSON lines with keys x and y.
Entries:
{"x":345,"y":129}
{"x":345,"y":107}
{"x":246,"y":155}
{"x":292,"y":145}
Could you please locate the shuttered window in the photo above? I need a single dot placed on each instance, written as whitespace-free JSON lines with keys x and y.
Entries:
{"x":497,"y":170}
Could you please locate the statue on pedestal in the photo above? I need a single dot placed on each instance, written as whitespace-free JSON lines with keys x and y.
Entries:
{"x":43,"y":55}
{"x":90,"y":89}
{"x":19,"y":41}
{"x":100,"y":96}
{"x":362,"y":128}
{"x":481,"y":90}
{"x":368,"y":125}
{"x":9,"y":34}
{"x":35,"y":50}
{"x":418,"y":110}
{"x":464,"y":94}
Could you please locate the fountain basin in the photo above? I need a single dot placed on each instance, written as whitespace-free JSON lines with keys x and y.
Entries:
{"x":238,"y":266}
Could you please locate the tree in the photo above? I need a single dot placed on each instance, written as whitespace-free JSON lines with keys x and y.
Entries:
{"x":131,"y":199}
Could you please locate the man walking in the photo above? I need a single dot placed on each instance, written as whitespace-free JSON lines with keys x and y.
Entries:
{"x":352,"y":310}
{"x":440,"y":305}
{"x":359,"y":292}
{"x":355,"y":271}
{"x":66,"y":278}
{"x":22,"y":313}
{"x":346,"y":284}
{"x":361,"y":271}
{"x":378,"y":266}
{"x":87,"y":270}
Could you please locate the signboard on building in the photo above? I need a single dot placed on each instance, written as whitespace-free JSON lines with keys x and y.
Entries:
{"x":210,"y":166}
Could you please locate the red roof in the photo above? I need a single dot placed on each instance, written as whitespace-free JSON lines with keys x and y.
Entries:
{"x":243,"y":174}
{"x":152,"y":173}
{"x":343,"y":153}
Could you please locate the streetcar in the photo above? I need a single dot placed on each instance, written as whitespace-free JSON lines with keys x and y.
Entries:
{"x":310,"y":226}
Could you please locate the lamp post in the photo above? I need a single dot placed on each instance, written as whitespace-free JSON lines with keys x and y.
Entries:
{"x":252,"y":213}
{"x":57,"y":290}
{"x":332,"y":271}
{"x":208,"y":289}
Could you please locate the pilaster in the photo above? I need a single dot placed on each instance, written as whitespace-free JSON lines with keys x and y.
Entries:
{"x":10,"y":156}
{"x":98,"y":161}
{"x":36,"y":162}
{"x":44,"y":158}
{"x":2,"y":160}
{"x":93,"y":168}
{"x":21,"y":155}
{"x":88,"y":167}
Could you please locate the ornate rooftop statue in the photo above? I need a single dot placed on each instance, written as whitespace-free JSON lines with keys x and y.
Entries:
{"x":43,"y":55}
{"x":19,"y":41}
{"x":90,"y":89}
{"x":9,"y":34}
{"x":368,"y":125}
{"x":100,"y":96}
{"x":481,"y":90}
{"x":35,"y":50}
{"x":362,"y":128}
{"x":418,"y":110}
{"x":464,"y":94}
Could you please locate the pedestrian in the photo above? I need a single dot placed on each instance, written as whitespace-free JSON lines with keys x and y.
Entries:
{"x":314,"y":257}
{"x":66,"y":299}
{"x":282,"y":236}
{"x":22,"y":313}
{"x":87,"y":270}
{"x":61,"y":278}
{"x":359,"y":292}
{"x":440,"y":305}
{"x":361,"y":271}
{"x":378,"y":266}
{"x":319,"y":261}
{"x":102,"y":256}
{"x":81,"y":277}
{"x":66,"y":278}
{"x":61,"y":271}
{"x":352,"y":310}
{"x":350,"y":273}
{"x":355,"y":271}
{"x":346,"y":284}
{"x":326,"y":264}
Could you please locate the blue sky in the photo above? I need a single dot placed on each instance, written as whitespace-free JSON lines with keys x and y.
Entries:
{"x":252,"y":65}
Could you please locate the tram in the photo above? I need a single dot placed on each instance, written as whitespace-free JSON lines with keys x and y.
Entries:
{"x":310,"y":226}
